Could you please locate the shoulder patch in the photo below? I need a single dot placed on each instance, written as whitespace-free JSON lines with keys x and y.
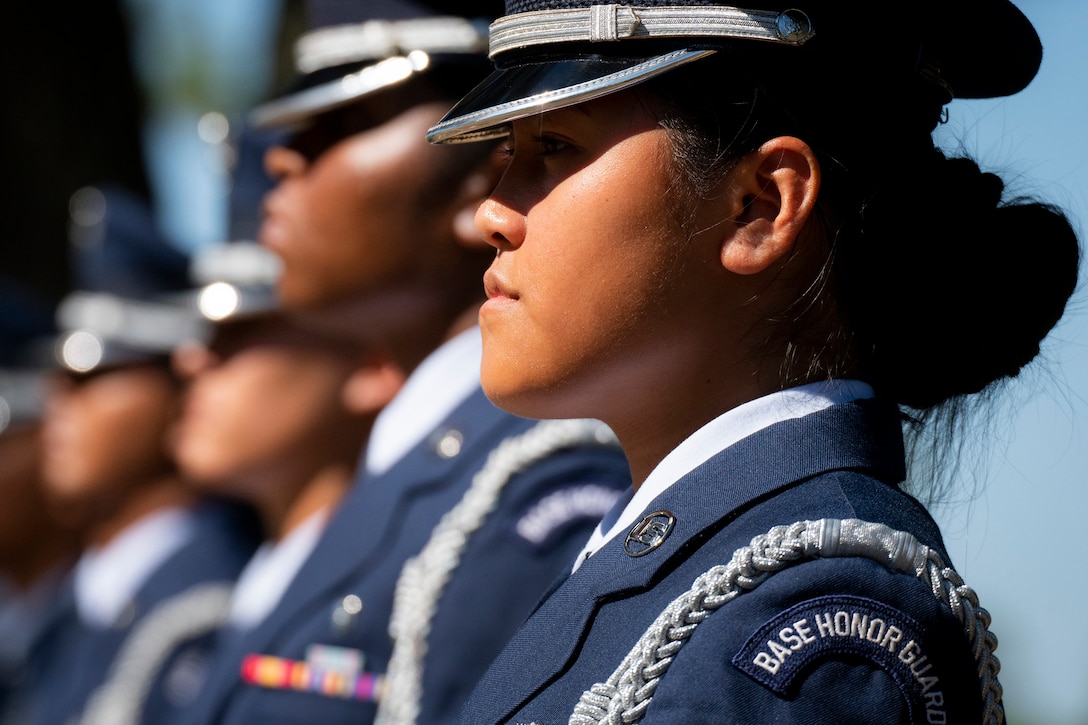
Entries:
{"x":567,"y":505}
{"x":824,"y":627}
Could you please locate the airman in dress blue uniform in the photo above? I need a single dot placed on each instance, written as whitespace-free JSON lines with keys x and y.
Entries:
{"x":461,"y":515}
{"x":737,"y":208}
{"x":37,"y":548}
{"x":158,"y":563}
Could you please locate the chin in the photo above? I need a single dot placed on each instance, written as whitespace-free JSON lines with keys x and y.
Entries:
{"x":541,"y":404}
{"x":506,"y":401}
{"x":293,"y":292}
{"x":289,"y":297}
{"x":202,"y":473}
{"x":502,"y":391}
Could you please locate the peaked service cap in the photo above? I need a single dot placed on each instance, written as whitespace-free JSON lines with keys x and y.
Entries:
{"x":555,"y":53}
{"x":129,"y":306}
{"x":355,"y":48}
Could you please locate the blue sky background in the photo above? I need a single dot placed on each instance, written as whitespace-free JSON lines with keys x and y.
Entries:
{"x":1019,"y":541}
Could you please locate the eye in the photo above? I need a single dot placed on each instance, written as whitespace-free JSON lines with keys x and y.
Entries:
{"x":551,"y":145}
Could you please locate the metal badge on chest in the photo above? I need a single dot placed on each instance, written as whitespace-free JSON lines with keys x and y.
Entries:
{"x":649,"y":533}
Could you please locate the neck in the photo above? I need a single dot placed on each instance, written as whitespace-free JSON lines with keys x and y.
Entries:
{"x":324,"y":490}
{"x":413,"y":347}
{"x":676,"y":409}
{"x":407,"y":327}
{"x":162,"y":493}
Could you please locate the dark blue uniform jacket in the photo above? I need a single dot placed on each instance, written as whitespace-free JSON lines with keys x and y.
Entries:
{"x":72,"y":660}
{"x":841,"y":463}
{"x":383,"y":521}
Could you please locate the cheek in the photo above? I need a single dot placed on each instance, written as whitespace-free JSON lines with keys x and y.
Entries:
{"x":228,"y":409}
{"x":139,"y":427}
{"x":252,"y":415}
{"x":221,"y":413}
{"x":595,"y":274}
{"x":66,"y":450}
{"x":327,"y":257}
{"x":361,"y":236}
{"x":108,"y":441}
{"x":306,"y":401}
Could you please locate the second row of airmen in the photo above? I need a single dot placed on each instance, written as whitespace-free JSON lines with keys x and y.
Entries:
{"x":305,"y":509}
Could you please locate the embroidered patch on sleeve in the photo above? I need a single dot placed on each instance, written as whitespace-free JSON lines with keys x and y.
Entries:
{"x":824,"y":627}
{"x":561,"y":508}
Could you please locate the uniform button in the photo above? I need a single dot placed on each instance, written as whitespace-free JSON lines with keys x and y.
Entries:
{"x":449,"y":443}
{"x":343,"y":616}
{"x":352,"y":604}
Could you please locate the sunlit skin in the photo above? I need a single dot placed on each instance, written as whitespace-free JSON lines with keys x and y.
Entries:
{"x":265,"y":422}
{"x":103,"y":446}
{"x":610,"y":298}
{"x":371,"y":218}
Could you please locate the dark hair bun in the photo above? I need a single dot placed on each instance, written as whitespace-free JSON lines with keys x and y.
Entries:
{"x":948,"y":288}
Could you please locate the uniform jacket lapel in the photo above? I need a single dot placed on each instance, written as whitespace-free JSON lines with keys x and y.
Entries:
{"x":356,"y":532}
{"x":353,"y":540}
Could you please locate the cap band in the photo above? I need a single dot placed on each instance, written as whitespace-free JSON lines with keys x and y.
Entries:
{"x":341,"y":44}
{"x":99,"y":318}
{"x":604,"y":23}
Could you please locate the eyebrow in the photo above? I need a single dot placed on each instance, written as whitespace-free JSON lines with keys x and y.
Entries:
{"x":566,"y":111}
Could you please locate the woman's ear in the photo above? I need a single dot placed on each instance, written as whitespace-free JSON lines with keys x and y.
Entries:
{"x":372,"y":385}
{"x":772,"y":192}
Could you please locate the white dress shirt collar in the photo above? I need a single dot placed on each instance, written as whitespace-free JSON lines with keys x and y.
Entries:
{"x":108,"y":577}
{"x":271,"y":570}
{"x":716,"y":436}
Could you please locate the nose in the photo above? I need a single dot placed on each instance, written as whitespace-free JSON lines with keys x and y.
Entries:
{"x":500,"y":225}
{"x":281,"y":162}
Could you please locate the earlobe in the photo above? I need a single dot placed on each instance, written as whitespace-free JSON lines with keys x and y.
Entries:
{"x":773,"y":191}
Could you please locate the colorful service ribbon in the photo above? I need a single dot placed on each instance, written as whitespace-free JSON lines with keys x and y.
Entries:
{"x":278,"y":673}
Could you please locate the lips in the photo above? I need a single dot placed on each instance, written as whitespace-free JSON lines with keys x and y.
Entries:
{"x":497,"y":289}
{"x":274,"y":232}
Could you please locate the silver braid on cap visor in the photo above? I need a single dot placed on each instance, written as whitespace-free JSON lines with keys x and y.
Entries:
{"x":605,"y":23}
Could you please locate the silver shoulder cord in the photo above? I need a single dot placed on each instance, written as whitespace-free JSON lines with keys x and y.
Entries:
{"x":424,"y":577}
{"x":193,"y":613}
{"x":629,"y":691}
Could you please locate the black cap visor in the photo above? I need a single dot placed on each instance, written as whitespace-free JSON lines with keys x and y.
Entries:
{"x":527,"y":89}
